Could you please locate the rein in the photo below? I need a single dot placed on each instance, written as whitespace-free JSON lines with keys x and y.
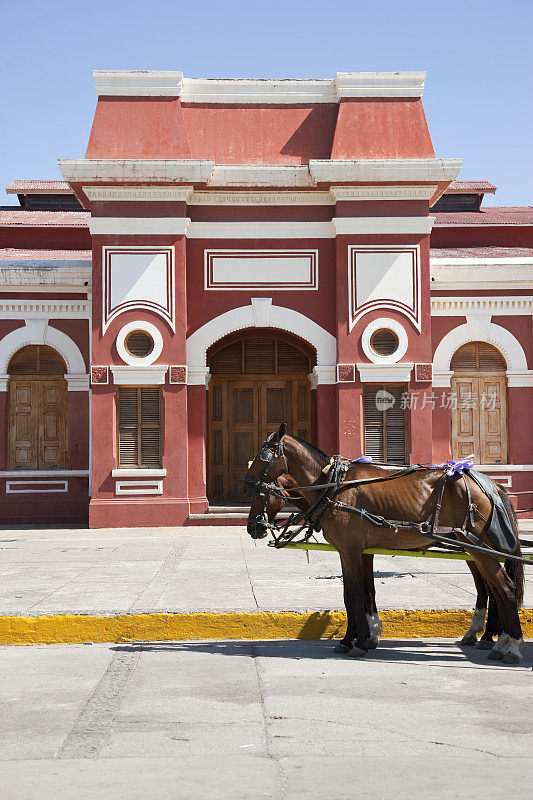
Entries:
{"x":309,"y":520}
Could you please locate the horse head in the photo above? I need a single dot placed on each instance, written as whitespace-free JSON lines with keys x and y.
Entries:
{"x":263,"y":475}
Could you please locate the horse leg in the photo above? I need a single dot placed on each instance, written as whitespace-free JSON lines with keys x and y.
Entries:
{"x":372,"y":616}
{"x":356,"y":590}
{"x":507,"y":647}
{"x":480,"y":611}
{"x":345,"y":644}
{"x":491,"y":628}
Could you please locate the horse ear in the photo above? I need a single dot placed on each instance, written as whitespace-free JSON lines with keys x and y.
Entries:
{"x":282,"y":430}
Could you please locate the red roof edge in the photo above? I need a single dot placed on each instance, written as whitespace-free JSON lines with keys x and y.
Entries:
{"x":471,"y":187}
{"x":38,"y":187}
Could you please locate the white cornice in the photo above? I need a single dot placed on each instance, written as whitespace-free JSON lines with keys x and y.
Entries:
{"x":153,"y":375}
{"x":53,"y":309}
{"x":52,"y":277}
{"x":251,"y":198}
{"x":135,"y":170}
{"x":381,"y":170}
{"x":260,"y":175}
{"x":461,"y":306}
{"x":260,"y":230}
{"x":155,"y":83}
{"x":379,"y":84}
{"x":138,"y":472}
{"x":376,"y":373}
{"x":382,"y":225}
{"x":136,"y":226}
{"x":142,"y":193}
{"x":138,"y":83}
{"x":77,"y":383}
{"x":454,"y":274}
{"x":383,"y":192}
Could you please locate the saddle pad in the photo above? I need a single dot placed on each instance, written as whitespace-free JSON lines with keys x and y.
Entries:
{"x":500,"y":527}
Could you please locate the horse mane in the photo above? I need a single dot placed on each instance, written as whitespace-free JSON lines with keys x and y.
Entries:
{"x":315,"y":451}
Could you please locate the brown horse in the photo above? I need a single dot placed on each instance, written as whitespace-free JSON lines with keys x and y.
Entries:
{"x":413,"y":497}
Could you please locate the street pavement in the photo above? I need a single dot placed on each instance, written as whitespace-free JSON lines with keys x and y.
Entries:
{"x":247,"y":720}
{"x":104,"y":572}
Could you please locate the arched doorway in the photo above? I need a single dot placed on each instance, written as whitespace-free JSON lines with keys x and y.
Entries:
{"x":479,"y":420}
{"x":37,"y":409}
{"x":258,"y":381}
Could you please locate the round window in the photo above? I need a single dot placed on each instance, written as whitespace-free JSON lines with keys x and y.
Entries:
{"x":384,"y":342}
{"x":139,"y":344}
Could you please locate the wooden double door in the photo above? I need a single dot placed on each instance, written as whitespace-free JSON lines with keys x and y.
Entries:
{"x":479,"y":420}
{"x":37,"y":422}
{"x":243,"y":411}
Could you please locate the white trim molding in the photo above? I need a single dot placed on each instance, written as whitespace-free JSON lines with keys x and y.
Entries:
{"x":159,"y":83}
{"x":46,"y":276}
{"x":256,"y":175}
{"x":385,"y":373}
{"x":260,"y":313}
{"x":139,"y":487}
{"x":287,"y":270}
{"x":138,"y":226}
{"x":53,"y":309}
{"x":382,"y":225}
{"x":390,"y":324}
{"x":152,"y":331}
{"x":260,"y":230}
{"x":159,"y":194}
{"x":475,"y":330}
{"x":504,"y":305}
{"x":38,"y":331}
{"x":481,"y":273}
{"x":36,"y":487}
{"x":136,"y":170}
{"x":423,"y":192}
{"x":77,"y":383}
{"x":266,"y":198}
{"x":43,"y":473}
{"x":137,"y":83}
{"x":138,"y":472}
{"x":153,"y":375}
{"x":380,"y":170}
{"x":399,"y":288}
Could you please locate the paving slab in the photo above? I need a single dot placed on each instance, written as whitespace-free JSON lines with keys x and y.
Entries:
{"x":280,"y":720}
{"x":148,"y":570}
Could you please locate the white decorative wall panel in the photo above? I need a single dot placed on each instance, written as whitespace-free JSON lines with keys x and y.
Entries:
{"x":384,"y":276}
{"x":138,"y":277}
{"x":228,"y":270}
{"x":139,"y":487}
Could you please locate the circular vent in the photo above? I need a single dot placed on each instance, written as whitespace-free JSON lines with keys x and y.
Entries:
{"x":384,"y":342}
{"x":139,"y":344}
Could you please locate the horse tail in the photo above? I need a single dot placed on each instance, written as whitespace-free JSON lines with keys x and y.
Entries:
{"x":515,"y":569}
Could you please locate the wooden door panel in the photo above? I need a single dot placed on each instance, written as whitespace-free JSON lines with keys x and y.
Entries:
{"x":23,"y":424}
{"x":465,"y":418}
{"x":493,"y":419}
{"x":218,"y":485}
{"x":52,"y":423}
{"x":243,"y":424}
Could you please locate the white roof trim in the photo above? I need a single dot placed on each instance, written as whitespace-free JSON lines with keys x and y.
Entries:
{"x":382,"y":225}
{"x":452,"y":274}
{"x":505,"y":305}
{"x":260,"y":230}
{"x":423,"y":192}
{"x":138,"y":83}
{"x":381,"y":170}
{"x":136,"y":170}
{"x":260,"y":175}
{"x":156,"y":83}
{"x":266,"y":198}
{"x":135,"y":226}
{"x":143,"y":193}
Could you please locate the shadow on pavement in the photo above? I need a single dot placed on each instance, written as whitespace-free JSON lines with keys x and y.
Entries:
{"x":438,"y":652}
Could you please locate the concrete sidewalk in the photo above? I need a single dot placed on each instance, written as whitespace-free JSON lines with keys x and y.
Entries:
{"x":273,"y":720}
{"x":48,"y":573}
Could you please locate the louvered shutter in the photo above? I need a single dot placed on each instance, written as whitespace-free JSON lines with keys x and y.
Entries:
{"x":259,"y":357}
{"x":291,"y":360}
{"x":139,"y":427}
{"x":228,"y":360}
{"x":385,"y":429}
{"x":477,"y":356}
{"x":36,"y":359}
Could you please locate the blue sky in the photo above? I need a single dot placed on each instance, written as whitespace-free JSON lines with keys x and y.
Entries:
{"x":478,"y":96}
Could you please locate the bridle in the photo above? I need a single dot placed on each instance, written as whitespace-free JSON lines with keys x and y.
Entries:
{"x":259,"y":485}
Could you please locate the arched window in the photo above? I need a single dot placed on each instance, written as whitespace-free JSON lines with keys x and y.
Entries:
{"x":479,"y":407}
{"x":37,"y":409}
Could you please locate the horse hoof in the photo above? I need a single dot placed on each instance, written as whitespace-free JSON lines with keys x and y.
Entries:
{"x":371,"y":644}
{"x":357,"y":652}
{"x":512,"y":658}
{"x":469,"y":640}
{"x":485,"y":644}
{"x":341,"y":648}
{"x":495,"y":654}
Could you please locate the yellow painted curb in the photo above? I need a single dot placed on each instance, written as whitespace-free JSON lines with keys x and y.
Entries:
{"x":76,"y":628}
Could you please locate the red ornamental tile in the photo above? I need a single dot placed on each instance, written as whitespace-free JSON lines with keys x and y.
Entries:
{"x":346,"y":373}
{"x":99,"y":375}
{"x":424,"y":372}
{"x":178,"y":374}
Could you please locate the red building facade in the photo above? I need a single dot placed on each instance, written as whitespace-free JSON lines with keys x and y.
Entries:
{"x":234,"y":254}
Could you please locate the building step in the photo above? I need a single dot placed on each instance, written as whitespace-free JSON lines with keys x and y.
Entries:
{"x":228,"y":515}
